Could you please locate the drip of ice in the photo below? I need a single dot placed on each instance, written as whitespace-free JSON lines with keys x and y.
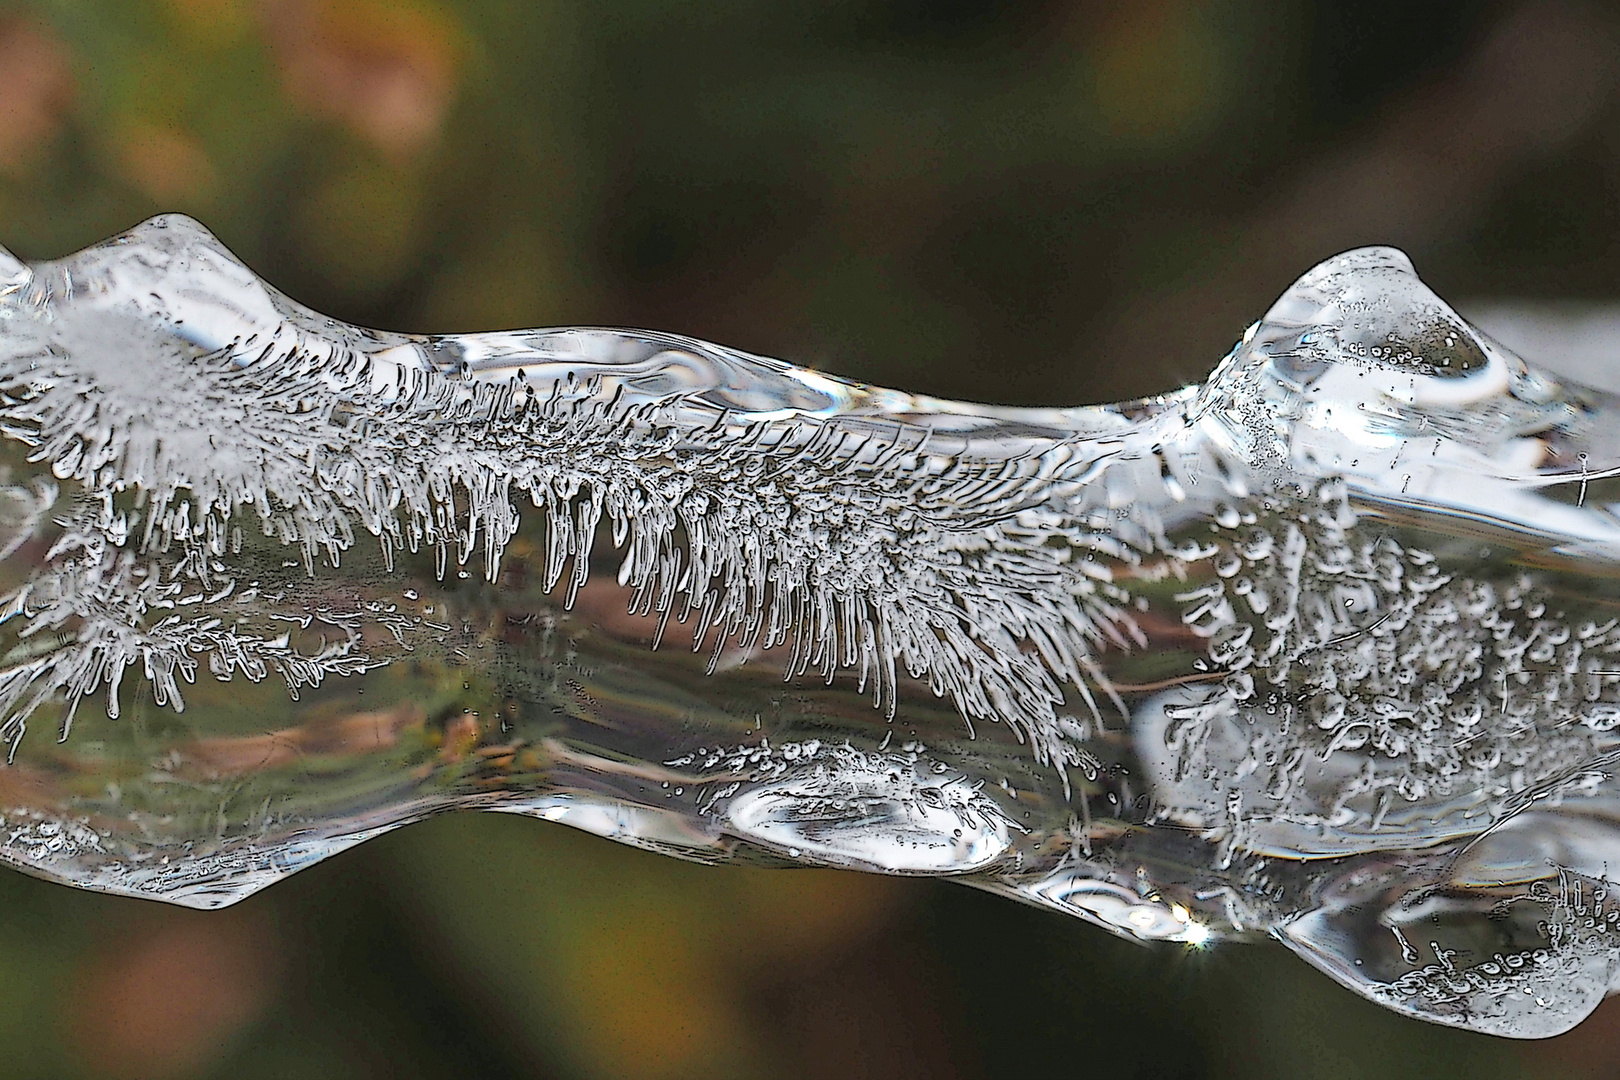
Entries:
{"x":1327,"y":649}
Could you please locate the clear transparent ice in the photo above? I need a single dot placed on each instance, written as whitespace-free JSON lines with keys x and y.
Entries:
{"x":1325,"y":650}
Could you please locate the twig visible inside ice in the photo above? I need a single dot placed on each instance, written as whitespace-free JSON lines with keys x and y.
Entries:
{"x":1326,"y":649}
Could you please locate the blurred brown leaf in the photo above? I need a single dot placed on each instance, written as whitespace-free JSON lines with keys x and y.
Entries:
{"x":386,"y":71}
{"x":168,"y":999}
{"x":36,"y":90}
{"x":164,"y":163}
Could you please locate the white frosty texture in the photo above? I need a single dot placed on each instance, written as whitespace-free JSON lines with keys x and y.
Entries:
{"x":1326,"y":649}
{"x":186,"y":402}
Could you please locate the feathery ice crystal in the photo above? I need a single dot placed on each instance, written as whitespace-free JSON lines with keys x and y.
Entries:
{"x":1327,"y":649}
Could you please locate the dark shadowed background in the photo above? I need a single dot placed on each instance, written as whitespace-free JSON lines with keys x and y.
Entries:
{"x":1040,"y":202}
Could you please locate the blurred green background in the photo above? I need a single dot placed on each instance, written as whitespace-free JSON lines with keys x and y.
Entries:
{"x":1044,"y":202}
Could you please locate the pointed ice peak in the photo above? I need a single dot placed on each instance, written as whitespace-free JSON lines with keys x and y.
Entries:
{"x":1366,"y":260}
{"x":173,"y":273}
{"x":171,"y":247}
{"x":174,"y":235}
{"x":1366,"y":313}
{"x":1368,"y":307}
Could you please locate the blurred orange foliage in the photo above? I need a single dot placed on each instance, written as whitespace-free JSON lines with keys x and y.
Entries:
{"x":36,"y":90}
{"x":386,"y":71}
{"x":168,"y":1000}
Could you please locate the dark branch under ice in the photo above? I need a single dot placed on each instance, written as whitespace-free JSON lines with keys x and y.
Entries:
{"x":1325,"y":650}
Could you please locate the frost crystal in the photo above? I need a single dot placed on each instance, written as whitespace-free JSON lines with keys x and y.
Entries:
{"x":1327,"y":649}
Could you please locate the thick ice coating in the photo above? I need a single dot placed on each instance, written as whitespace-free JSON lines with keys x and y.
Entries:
{"x":1327,"y":649}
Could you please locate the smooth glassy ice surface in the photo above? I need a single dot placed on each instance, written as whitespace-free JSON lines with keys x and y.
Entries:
{"x":1327,"y":649}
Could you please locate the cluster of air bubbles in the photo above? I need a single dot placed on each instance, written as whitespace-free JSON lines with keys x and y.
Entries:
{"x":1325,"y":650}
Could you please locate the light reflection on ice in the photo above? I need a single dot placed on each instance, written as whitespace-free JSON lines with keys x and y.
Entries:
{"x":1327,"y":649}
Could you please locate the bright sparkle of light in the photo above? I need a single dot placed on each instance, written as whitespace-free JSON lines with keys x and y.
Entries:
{"x":1195,"y":934}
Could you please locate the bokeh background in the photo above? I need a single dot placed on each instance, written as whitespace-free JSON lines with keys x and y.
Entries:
{"x":1044,"y":202}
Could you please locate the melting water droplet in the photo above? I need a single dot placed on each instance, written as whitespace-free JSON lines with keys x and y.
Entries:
{"x":271,"y":584}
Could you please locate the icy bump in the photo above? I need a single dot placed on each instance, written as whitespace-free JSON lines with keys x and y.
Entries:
{"x":1369,"y":309}
{"x":1326,"y":650}
{"x":883,"y":813}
